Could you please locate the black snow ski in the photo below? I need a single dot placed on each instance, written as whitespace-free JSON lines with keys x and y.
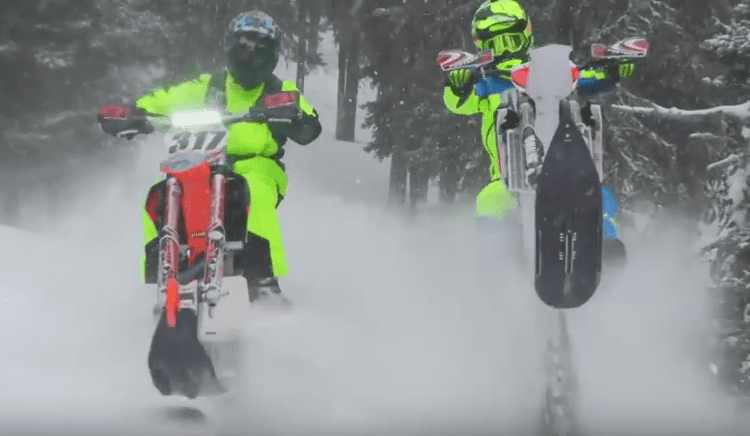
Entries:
{"x":568,"y":220}
{"x":178,"y":362}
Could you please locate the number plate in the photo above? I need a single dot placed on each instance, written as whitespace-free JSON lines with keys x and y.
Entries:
{"x":203,"y":141}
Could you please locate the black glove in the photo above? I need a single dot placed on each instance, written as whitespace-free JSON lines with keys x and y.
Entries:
{"x":122,"y":121}
{"x":303,"y":128}
{"x":512,"y":120}
{"x":289,"y":112}
{"x":460,"y":81}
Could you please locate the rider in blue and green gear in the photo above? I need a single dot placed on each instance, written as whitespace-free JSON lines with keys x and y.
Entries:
{"x":504,"y":27}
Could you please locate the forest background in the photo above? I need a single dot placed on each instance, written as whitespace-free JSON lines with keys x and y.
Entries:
{"x":676,"y":135}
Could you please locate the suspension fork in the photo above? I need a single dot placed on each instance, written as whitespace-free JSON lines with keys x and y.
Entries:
{"x":169,"y":242}
{"x":216,"y":235}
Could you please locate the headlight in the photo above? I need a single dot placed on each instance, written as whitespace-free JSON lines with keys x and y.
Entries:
{"x":196,"y":119}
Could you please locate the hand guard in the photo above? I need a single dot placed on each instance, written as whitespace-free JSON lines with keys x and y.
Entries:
{"x":118,"y":121}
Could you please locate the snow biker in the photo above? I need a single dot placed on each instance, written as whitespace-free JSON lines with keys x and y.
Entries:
{"x":503,"y":27}
{"x":256,"y":148}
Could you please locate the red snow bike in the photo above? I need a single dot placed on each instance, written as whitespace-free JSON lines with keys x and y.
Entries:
{"x":201,"y":210}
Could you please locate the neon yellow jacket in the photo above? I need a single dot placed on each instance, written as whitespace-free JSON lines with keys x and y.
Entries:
{"x":246,"y":139}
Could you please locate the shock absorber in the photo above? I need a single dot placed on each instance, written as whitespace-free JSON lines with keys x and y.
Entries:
{"x":170,"y":249}
{"x":216,"y":235}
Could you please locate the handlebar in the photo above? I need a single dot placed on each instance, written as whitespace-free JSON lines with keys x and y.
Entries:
{"x":281,"y":107}
{"x":480,"y":72}
{"x":630,"y":49}
{"x":198,"y":120}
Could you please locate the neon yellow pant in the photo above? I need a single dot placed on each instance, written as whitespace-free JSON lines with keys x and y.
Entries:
{"x":495,"y":201}
{"x":267,"y":183}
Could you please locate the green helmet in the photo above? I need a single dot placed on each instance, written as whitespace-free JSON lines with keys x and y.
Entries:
{"x":503,"y":27}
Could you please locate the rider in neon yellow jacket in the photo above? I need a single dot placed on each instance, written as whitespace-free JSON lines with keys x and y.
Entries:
{"x":253,"y":47}
{"x":504,"y":27}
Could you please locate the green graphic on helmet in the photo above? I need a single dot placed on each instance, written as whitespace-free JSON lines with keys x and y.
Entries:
{"x":503,"y":27}
{"x":253,"y":44}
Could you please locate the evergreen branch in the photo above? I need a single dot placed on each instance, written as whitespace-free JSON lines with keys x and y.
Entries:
{"x":731,"y":159}
{"x":740,"y":111}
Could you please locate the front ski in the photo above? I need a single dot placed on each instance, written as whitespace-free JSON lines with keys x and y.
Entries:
{"x":568,"y":220}
{"x":178,"y":363}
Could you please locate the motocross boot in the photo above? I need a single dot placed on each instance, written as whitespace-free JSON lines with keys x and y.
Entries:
{"x":267,"y":291}
{"x":257,"y":269}
{"x":151,"y":261}
{"x":614,"y":254}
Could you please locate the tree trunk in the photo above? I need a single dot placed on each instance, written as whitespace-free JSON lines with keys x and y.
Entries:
{"x":566,"y":22}
{"x":343,"y":47}
{"x":301,"y":43}
{"x":448,"y":183}
{"x":350,"y":92}
{"x":419,"y":183}
{"x":397,"y":182}
{"x":314,"y":14}
{"x":348,"y":81}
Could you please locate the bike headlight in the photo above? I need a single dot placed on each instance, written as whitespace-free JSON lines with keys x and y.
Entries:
{"x":196,"y":119}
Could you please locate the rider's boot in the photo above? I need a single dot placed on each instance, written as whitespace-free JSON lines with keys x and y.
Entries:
{"x":267,"y":291}
{"x":587,"y":116}
{"x":263,"y":287}
{"x":534,"y":153}
{"x":150,"y":261}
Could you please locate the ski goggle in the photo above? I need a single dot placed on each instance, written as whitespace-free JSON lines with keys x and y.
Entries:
{"x":252,"y":45}
{"x":504,"y":43}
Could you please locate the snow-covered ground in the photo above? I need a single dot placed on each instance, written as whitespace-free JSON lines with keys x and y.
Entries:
{"x":400,"y":328}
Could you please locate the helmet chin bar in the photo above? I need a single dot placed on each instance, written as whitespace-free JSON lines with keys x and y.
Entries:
{"x":253,"y":73}
{"x":247,"y":78}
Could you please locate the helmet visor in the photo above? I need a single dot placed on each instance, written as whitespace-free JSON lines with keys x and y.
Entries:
{"x":251,"y":49}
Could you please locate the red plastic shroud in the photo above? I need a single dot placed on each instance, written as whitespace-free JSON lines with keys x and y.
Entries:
{"x":171,"y":255}
{"x":520,"y":76}
{"x":197,"y":209}
{"x":195,"y":204}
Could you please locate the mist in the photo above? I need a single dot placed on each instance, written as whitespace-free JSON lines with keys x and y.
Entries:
{"x":400,"y":326}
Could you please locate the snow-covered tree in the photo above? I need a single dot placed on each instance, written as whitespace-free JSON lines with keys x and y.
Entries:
{"x":727,"y":217}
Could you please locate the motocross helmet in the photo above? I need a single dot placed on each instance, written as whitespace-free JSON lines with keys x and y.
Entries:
{"x":253,"y":44}
{"x":503,"y":27}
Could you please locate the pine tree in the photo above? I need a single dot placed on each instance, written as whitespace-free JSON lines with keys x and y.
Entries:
{"x":727,"y":216}
{"x":60,"y":61}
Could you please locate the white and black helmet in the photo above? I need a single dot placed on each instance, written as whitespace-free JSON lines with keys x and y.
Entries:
{"x":253,"y":44}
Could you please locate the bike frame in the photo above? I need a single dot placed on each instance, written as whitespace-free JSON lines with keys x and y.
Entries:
{"x":198,"y":179}
{"x":205,"y":233}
